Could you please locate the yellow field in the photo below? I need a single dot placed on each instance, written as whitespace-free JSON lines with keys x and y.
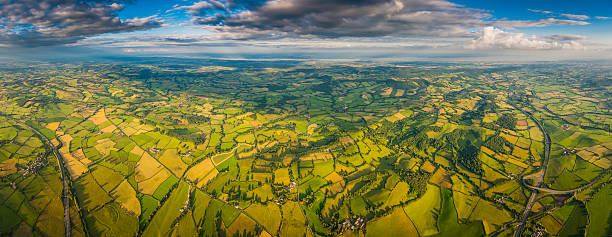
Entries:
{"x":99,"y":117}
{"x":510,"y":138}
{"x":293,"y":223}
{"x":53,"y":126}
{"x":81,"y":157}
{"x":125,"y":195}
{"x":492,"y":218}
{"x":8,"y":167}
{"x":265,"y":145}
{"x":523,"y":143}
{"x":387,"y":91}
{"x":324,"y":155}
{"x":520,"y":153}
{"x":269,"y":216}
{"x":311,"y":129}
{"x":551,"y":224}
{"x":535,"y":134}
{"x":199,"y":171}
{"x":171,"y":159}
{"x":441,"y":178}
{"x":150,"y":185}
{"x":242,"y":223}
{"x":208,"y":177}
{"x":517,"y":162}
{"x":333,"y":177}
{"x":428,"y":167}
{"x":595,"y":158}
{"x":74,"y":166}
{"x":137,"y":151}
{"x":109,"y":128}
{"x":281,"y":176}
{"x":146,"y":168}
{"x":105,"y":146}
{"x":399,"y":92}
{"x":487,"y":151}
{"x":248,"y":153}
{"x":394,"y":224}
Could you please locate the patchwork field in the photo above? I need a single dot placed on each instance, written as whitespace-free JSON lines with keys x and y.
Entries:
{"x":296,"y":148}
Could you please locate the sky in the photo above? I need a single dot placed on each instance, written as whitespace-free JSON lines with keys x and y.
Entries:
{"x":518,"y":30}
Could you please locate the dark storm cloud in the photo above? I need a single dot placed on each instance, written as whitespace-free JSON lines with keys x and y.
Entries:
{"x":52,"y":22}
{"x":339,"y":18}
{"x":349,"y":18}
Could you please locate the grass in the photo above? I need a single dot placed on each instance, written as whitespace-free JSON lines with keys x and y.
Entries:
{"x":448,"y":222}
{"x":51,"y":221}
{"x":576,"y":222}
{"x":293,"y":223}
{"x":8,"y":133}
{"x":185,"y":227}
{"x":168,"y":213}
{"x":315,"y":222}
{"x":148,"y":205}
{"x":324,"y":168}
{"x":150,"y":185}
{"x":90,"y":193}
{"x":208,"y":224}
{"x":8,"y":219}
{"x":146,"y":167}
{"x":111,"y":220}
{"x":600,"y":213}
{"x":200,"y":204}
{"x":567,"y":180}
{"x":281,"y":176}
{"x":269,"y":216}
{"x":462,"y":198}
{"x":313,"y":184}
{"x":165,"y":187}
{"x":229,"y":214}
{"x":125,"y":195}
{"x":394,"y":224}
{"x":551,"y":224}
{"x":200,"y":170}
{"x":171,"y":159}
{"x":264,"y":192}
{"x":241,"y":225}
{"x":491,"y":216}
{"x":399,"y":194}
{"x":422,"y":211}
{"x":107,"y":178}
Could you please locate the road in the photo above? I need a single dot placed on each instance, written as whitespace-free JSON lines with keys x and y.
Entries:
{"x":63,"y":170}
{"x":538,"y":180}
{"x":561,"y":192}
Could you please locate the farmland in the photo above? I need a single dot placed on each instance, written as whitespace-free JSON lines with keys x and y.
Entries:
{"x":291,"y":148}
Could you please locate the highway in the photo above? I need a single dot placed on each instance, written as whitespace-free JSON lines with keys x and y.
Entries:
{"x":63,"y":170}
{"x":538,"y":180}
{"x":561,"y":192}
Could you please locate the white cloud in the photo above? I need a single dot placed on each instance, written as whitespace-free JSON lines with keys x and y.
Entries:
{"x":540,"y":11}
{"x":576,"y":17}
{"x":494,"y":38}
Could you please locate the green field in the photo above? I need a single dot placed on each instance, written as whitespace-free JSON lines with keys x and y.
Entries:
{"x":186,"y":147}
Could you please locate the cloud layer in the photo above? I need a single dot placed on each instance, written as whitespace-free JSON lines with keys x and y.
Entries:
{"x":247,"y":19}
{"x":336,"y":18}
{"x":53,"y":22}
{"x":494,"y":38}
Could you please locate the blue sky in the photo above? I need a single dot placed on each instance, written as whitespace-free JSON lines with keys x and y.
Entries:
{"x":559,"y":29}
